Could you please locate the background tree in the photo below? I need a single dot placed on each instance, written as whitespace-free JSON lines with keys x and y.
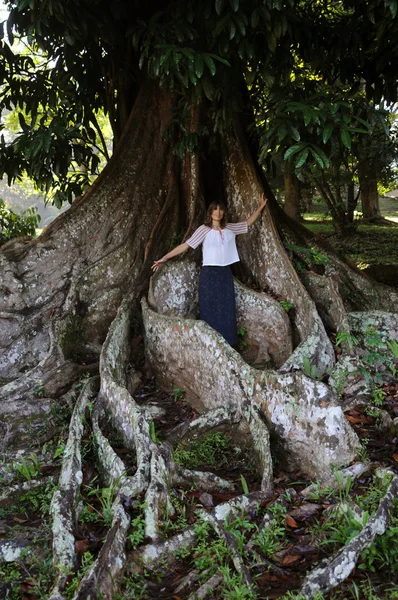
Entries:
{"x":174,"y":82}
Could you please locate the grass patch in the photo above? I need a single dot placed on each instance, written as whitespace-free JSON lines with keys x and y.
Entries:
{"x":370,"y":244}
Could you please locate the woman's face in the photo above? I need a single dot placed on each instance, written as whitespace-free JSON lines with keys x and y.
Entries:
{"x":217,"y":214}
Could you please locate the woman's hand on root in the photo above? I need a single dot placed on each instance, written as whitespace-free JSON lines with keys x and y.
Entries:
{"x":157,"y":264}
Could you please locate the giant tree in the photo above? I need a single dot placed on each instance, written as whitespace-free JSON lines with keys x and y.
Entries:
{"x":178,"y":85}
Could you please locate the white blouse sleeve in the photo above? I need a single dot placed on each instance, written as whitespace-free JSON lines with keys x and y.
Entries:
{"x":198,"y":236}
{"x":238,"y":228}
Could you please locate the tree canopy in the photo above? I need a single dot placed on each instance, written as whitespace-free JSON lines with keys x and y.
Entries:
{"x":94,"y":56}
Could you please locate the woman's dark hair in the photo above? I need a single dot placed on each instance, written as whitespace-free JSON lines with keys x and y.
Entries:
{"x":212,"y":206}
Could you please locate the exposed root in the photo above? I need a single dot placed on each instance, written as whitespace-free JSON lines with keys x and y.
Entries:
{"x":66,"y":497}
{"x":294,"y":407}
{"x":201,"y":480}
{"x":157,"y":499}
{"x":102,"y":579}
{"x":207,"y":588}
{"x":10,"y":493}
{"x":231,"y":544}
{"x":153,"y":555}
{"x":343,"y":563}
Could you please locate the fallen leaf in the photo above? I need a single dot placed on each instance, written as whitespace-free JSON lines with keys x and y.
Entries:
{"x":290,"y":522}
{"x":395,"y":457}
{"x":81,"y":545}
{"x":354,"y":419}
{"x":290,"y":559}
{"x":18,"y":520}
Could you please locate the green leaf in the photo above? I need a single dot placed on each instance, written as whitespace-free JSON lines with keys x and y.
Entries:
{"x":271,"y":41}
{"x":244,"y":485}
{"x":302,"y":157}
{"x":199,"y":65}
{"x":255,"y":18}
{"x":346,"y":138}
{"x":241,"y":24}
{"x":327,"y":132}
{"x":207,"y":88}
{"x":219,"y":6}
{"x":281,"y":132}
{"x":307,"y":116}
{"x":234,"y":4}
{"x":22,"y":122}
{"x":295,"y":133}
{"x":232,"y":30}
{"x":292,"y":150}
{"x":210,"y":63}
{"x":317,"y":156}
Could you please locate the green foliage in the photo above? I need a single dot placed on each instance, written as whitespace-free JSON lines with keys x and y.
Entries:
{"x":178,"y":394}
{"x":39,"y":389}
{"x":345,"y":337}
{"x":362,"y":450}
{"x":272,"y":538}
{"x":208,"y":554}
{"x":75,"y":64}
{"x":137,"y":531}
{"x":152,"y":433}
{"x":286,"y":305}
{"x":90,"y":513}
{"x":211,"y":450}
{"x":233,"y":586}
{"x":345,"y":525}
{"x":87,"y":561}
{"x":13,"y":225}
{"x":383,"y":553}
{"x":309,"y":369}
{"x":134,"y":587}
{"x":27,"y":469}
{"x":39,"y":499}
{"x":244,"y":485}
{"x":311,"y":255}
{"x":242,"y":343}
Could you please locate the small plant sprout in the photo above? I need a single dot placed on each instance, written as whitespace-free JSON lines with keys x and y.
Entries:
{"x":309,"y":369}
{"x":392,"y":345}
{"x":28,"y":469}
{"x":178,"y":394}
{"x":242,"y":343}
{"x":345,"y":337}
{"x":38,"y":389}
{"x":286,"y":305}
{"x":152,"y":433}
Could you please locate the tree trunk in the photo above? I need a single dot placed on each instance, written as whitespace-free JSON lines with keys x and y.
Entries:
{"x":67,"y":303}
{"x":292,"y":196}
{"x":369,"y":193}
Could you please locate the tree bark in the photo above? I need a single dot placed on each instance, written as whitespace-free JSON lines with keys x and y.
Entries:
{"x":66,"y":306}
{"x":369,"y":193}
{"x":292,"y":196}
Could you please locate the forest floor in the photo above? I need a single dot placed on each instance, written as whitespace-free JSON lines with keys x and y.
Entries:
{"x":303,"y":528}
{"x":280,"y":540}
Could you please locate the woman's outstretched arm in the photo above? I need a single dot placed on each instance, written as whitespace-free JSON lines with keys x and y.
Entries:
{"x":262,"y":201}
{"x":175,"y":252}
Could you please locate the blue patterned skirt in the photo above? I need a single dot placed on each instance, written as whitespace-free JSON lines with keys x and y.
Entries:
{"x":217,"y":301}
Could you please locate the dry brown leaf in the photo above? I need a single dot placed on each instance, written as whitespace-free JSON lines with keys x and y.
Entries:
{"x":289,"y":559}
{"x":290,"y":522}
{"x":81,"y":545}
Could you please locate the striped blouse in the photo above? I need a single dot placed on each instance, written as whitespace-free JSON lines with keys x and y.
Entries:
{"x":219,"y":247}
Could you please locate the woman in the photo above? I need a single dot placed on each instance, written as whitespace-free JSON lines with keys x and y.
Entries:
{"x":216,"y":285}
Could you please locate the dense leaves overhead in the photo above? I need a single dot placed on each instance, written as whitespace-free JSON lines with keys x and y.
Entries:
{"x":94,"y":55}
